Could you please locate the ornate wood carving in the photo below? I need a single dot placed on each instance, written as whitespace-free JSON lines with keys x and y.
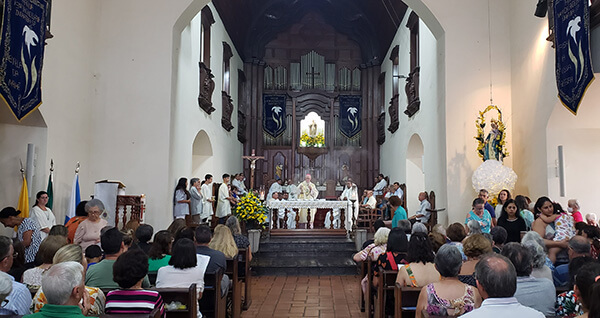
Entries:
{"x":381,"y":128}
{"x":227,"y":111}
{"x":394,"y":118}
{"x":207,"y":86}
{"x":412,"y":92}
{"x":241,"y":127}
{"x":241,"y":107}
{"x":412,"y":81}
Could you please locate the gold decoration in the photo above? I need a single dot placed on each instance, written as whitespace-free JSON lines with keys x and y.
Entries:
{"x":480,"y":124}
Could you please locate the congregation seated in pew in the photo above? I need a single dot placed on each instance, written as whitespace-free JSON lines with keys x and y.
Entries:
{"x":130,"y":271}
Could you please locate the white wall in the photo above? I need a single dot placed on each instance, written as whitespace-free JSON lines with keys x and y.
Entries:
{"x":14,"y":137}
{"x":110,"y":90}
{"x":428,"y":123}
{"x":579,"y":135}
{"x":188,"y":119}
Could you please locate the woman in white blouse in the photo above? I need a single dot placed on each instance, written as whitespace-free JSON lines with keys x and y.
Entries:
{"x":185,"y":267}
{"x":42,"y":214}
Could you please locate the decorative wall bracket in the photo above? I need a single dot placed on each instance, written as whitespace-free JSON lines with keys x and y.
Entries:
{"x":227,"y":111}
{"x":241,"y":127}
{"x":207,"y":86}
{"x":381,"y":128}
{"x":393,"y":110}
{"x":412,"y":92}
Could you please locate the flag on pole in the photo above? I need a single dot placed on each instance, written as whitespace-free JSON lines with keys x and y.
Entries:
{"x":75,"y":199}
{"x":50,"y":191}
{"x":24,"y":200}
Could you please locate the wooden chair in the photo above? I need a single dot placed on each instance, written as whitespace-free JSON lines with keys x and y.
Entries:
{"x":403,"y":188}
{"x":152,"y":278}
{"x":245,"y":276}
{"x":235,"y":292}
{"x":433,"y":218}
{"x":186,"y":296}
{"x":385,"y":289}
{"x":212,"y":303}
{"x":405,"y":300}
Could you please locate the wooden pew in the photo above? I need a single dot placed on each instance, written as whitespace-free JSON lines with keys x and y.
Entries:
{"x":155,"y":313}
{"x":405,"y":300}
{"x":212,"y":303}
{"x":187,"y":296}
{"x":245,"y":276}
{"x":235,"y":292}
{"x":387,"y":283}
{"x":363,"y":272}
{"x":369,"y":302}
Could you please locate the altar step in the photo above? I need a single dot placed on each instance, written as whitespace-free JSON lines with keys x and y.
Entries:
{"x":314,"y":256}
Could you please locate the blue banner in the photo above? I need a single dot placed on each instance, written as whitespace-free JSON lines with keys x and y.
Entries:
{"x":274,"y":114}
{"x":22,"y":45}
{"x":572,"y":40}
{"x":350,"y":115}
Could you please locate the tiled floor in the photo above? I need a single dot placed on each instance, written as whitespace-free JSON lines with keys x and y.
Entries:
{"x":305,"y":296}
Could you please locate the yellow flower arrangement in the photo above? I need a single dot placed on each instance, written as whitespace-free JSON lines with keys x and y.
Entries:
{"x":308,"y":141}
{"x":250,"y":209}
{"x":480,"y":124}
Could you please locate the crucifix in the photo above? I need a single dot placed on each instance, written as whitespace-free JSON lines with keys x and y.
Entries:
{"x":312,"y":73}
{"x":253,"y":158}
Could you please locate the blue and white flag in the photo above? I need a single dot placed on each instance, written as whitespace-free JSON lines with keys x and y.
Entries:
{"x":74,"y":200}
{"x":22,"y":45}
{"x":274,"y":114}
{"x":574,"y":71}
{"x":350,"y":115}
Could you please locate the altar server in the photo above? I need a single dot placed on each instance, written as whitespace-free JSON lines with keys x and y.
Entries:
{"x":225,"y":200}
{"x":207,"y":199}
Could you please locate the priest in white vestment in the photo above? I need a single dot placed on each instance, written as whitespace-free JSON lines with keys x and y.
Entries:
{"x":307,"y":191}
{"x":195,"y":200}
{"x":350,"y":193}
{"x":224,"y":204}
{"x":207,"y":199}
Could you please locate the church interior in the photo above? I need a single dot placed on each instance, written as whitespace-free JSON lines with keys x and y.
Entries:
{"x":147,"y":92}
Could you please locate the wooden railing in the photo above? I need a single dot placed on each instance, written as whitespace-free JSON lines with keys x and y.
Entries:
{"x":129,"y":207}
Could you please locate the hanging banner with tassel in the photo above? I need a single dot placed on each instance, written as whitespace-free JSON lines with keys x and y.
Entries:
{"x":22,"y":45}
{"x":573,"y":62}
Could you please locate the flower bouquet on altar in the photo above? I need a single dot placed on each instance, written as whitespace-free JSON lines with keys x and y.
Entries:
{"x":251,"y":211}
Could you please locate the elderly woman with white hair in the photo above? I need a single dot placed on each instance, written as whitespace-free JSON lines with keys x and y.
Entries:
{"x":64,"y":290}
{"x":473,"y":227}
{"x":372,"y":251}
{"x":590,"y":218}
{"x":419,"y":228}
{"x":530,"y":238}
{"x":88,"y":232}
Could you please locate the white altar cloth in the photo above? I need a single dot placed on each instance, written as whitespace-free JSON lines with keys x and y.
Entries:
{"x":335,"y":206}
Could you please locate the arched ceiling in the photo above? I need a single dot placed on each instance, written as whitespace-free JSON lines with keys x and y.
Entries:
{"x":252,"y":24}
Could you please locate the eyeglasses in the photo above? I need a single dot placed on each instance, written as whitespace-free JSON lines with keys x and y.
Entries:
{"x":14,"y":255}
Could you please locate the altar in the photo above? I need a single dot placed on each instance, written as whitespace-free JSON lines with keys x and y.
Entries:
{"x":336,"y":210}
